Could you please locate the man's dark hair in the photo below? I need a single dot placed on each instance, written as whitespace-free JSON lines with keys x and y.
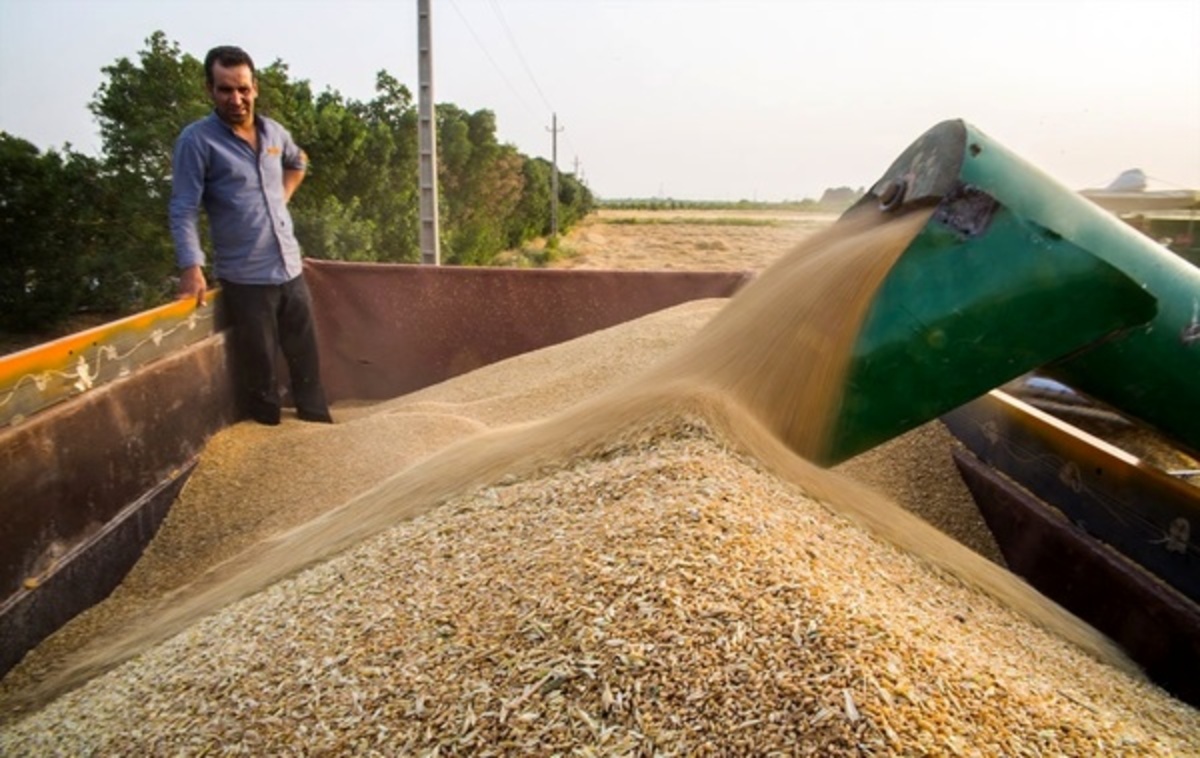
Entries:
{"x":228,"y":56}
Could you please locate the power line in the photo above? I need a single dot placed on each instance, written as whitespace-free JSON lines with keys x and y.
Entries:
{"x":517,"y":49}
{"x":520,"y":56}
{"x":528,"y":71}
{"x":488,"y":54}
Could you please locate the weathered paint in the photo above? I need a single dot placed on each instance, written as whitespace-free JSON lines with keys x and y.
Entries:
{"x":37,"y":378}
{"x":1158,"y":628}
{"x":78,"y":477}
{"x":1143,"y":513}
{"x":85,"y":574}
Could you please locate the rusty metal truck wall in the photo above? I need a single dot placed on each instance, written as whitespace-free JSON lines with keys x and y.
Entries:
{"x":86,"y":483}
{"x":386,"y":330}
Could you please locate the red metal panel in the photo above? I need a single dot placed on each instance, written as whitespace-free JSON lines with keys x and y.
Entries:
{"x":386,"y":330}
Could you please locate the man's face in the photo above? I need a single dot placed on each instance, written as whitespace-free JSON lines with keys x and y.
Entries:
{"x":233,"y":91}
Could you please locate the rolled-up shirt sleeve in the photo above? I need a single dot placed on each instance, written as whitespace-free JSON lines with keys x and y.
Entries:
{"x":187,"y":193}
{"x":294,"y":159}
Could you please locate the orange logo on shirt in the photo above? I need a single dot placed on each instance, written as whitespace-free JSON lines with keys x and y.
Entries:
{"x":274,"y":150}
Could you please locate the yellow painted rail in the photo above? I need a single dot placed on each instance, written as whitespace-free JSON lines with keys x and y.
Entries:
{"x":39,"y":377}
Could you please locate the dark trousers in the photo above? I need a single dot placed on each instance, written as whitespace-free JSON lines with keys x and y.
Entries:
{"x":266,"y":319}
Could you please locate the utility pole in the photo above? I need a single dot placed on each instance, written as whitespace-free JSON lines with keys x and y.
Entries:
{"x":427,"y":139}
{"x":554,"y":130}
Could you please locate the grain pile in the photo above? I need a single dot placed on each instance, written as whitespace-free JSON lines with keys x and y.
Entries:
{"x":665,"y":595}
{"x":651,"y":570}
{"x":917,"y":472}
{"x":254,"y":482}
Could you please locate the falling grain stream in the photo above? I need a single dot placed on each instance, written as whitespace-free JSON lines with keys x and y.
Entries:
{"x":653,"y":568}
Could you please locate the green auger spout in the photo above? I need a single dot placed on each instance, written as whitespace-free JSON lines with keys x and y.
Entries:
{"x":1015,"y":272}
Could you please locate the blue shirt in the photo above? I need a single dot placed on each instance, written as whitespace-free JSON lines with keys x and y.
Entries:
{"x":242,"y":193}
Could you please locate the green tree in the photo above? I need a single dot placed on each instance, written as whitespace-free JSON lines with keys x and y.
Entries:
{"x":141,"y":108}
{"x":289,"y":102}
{"x":531,"y":218}
{"x":481,"y":184}
{"x":390,"y":159}
{"x":358,"y":200}
{"x":51,"y":233}
{"x":575,"y":201}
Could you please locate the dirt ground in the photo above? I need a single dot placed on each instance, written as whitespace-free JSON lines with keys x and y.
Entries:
{"x":696,"y":240}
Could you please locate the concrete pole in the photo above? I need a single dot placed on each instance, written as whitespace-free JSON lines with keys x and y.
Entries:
{"x":554,"y":130}
{"x":427,"y":139}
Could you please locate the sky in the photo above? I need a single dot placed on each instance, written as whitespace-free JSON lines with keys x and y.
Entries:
{"x":762,"y":100}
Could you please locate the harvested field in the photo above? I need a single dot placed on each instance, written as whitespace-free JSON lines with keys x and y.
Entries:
{"x":602,"y":548}
{"x":691,"y":240}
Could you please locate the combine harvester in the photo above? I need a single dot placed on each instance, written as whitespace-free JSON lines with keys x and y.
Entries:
{"x":1012,"y":274}
{"x":1170,"y":216}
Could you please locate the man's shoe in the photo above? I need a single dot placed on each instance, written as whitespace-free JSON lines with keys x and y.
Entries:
{"x":263,"y":411}
{"x":317,"y":417}
{"x":266,"y":418}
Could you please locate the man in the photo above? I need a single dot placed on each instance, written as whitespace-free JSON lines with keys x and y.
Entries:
{"x":243,"y":169}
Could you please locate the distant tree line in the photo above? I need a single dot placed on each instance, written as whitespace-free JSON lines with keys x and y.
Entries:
{"x":81,"y":233}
